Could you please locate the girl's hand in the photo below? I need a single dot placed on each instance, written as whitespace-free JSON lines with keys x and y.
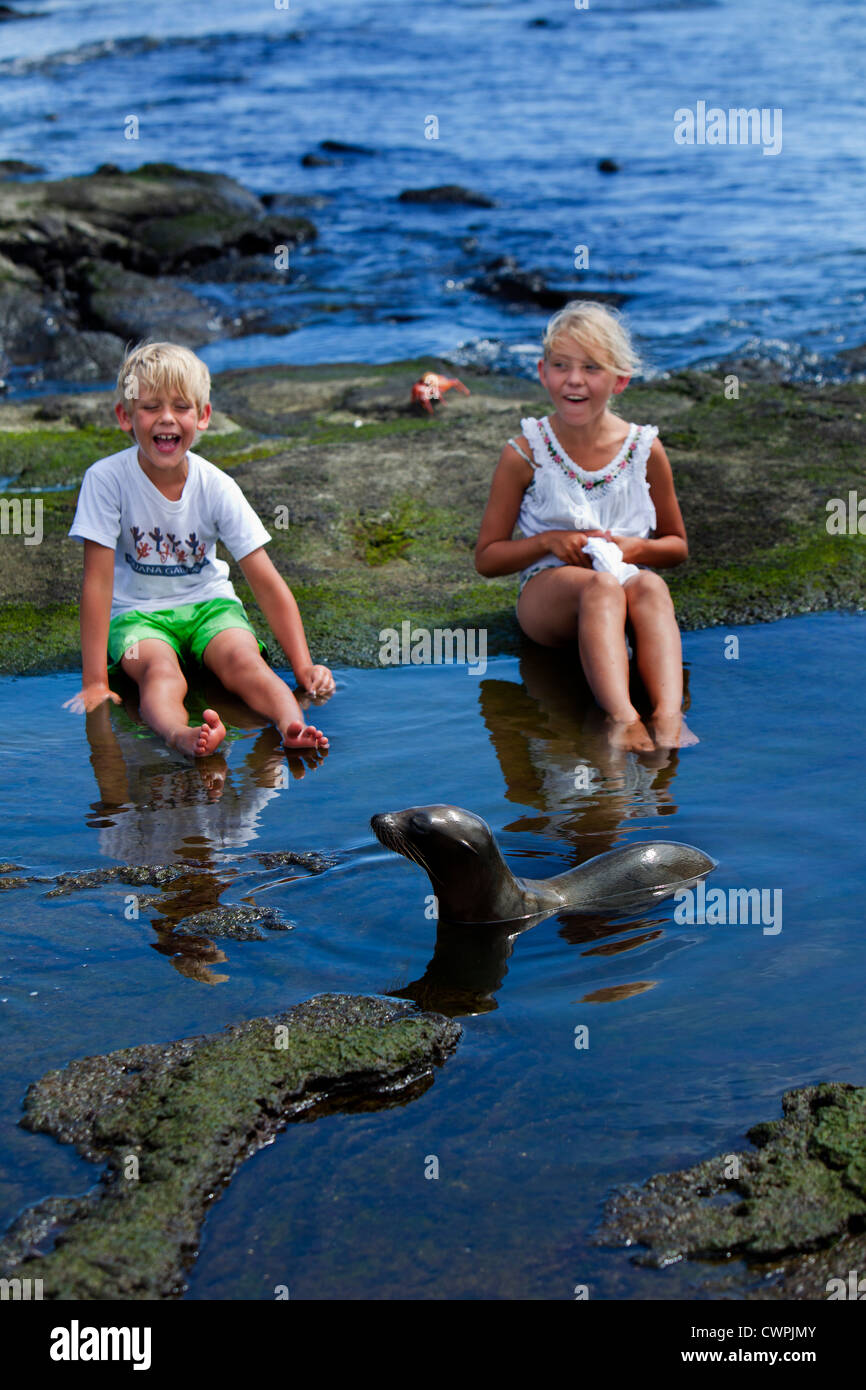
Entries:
{"x":629,"y":545}
{"x":90,"y":697}
{"x":318,"y":680}
{"x":568,"y":545}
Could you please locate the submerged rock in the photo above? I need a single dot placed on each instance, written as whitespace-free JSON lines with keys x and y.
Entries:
{"x":447,"y":193}
{"x":173,"y":1122}
{"x":151,"y":875}
{"x":503,"y":279}
{"x":800,"y":1190}
{"x":304,"y":859}
{"x":239,"y":923}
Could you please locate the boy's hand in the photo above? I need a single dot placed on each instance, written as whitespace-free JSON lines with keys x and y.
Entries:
{"x":318,"y":680}
{"x":90,"y":697}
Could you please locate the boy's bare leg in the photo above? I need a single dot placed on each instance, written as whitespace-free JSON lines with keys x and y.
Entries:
{"x":234,"y":657}
{"x":161,"y":688}
{"x":659,"y":656}
{"x":570,"y":601}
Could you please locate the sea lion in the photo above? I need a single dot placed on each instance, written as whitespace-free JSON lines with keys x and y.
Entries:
{"x":474,"y":885}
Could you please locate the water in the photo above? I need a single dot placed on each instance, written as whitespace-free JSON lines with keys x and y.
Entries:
{"x":722,"y":250}
{"x":695,"y":1031}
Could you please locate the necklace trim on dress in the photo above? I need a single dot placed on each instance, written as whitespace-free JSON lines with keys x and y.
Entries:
{"x":580,"y":475}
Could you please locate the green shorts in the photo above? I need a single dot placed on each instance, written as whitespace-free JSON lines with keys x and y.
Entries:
{"x":187,"y":629}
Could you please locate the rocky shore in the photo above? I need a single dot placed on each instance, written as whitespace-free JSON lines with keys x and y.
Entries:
{"x":173,"y":1122}
{"x":374,"y":507}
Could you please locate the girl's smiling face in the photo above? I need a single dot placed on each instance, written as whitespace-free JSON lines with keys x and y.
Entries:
{"x":577,"y":384}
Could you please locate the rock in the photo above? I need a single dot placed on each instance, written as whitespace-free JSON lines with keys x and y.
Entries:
{"x":503,"y":279}
{"x":608,"y":166}
{"x":12,"y":168}
{"x":854,"y":358}
{"x":305,"y":859}
{"x":190,"y":1113}
{"x":152,"y":875}
{"x":446,"y":193}
{"x":7,"y":13}
{"x":69,"y":244}
{"x":340,"y":147}
{"x":85,"y":356}
{"x":239,"y":923}
{"x":316,"y":161}
{"x":134,"y":306}
{"x":802,"y":1187}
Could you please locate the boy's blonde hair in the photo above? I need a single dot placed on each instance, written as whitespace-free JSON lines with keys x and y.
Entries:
{"x":163,"y":367}
{"x":598,"y":329}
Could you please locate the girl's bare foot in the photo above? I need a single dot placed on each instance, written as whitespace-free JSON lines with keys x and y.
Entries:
{"x":672,"y":731}
{"x":202,"y":741}
{"x":298,"y":735}
{"x":633,"y":737}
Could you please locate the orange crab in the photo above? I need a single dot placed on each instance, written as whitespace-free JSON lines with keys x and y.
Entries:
{"x":432,"y":387}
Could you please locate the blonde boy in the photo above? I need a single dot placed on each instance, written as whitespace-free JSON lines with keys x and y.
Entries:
{"x":154,"y":593}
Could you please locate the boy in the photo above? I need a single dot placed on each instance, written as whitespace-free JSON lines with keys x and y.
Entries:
{"x":154,"y":591}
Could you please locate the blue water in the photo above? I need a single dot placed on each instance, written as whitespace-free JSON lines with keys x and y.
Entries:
{"x":695,"y":1031}
{"x":723,"y":250}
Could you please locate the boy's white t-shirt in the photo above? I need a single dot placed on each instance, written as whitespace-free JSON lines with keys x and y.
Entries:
{"x":165,"y":552}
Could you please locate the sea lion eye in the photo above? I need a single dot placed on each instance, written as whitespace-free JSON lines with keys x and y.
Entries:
{"x":420,"y":825}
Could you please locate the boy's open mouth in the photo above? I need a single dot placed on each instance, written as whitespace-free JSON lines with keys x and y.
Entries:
{"x":166,"y":443}
{"x":577,"y":400}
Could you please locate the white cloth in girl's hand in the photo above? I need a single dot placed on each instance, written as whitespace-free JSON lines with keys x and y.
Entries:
{"x":607,"y":556}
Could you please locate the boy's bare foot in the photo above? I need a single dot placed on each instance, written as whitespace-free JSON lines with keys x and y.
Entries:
{"x":672,"y":731}
{"x":202,"y":741}
{"x":298,"y":735}
{"x":634,"y":737}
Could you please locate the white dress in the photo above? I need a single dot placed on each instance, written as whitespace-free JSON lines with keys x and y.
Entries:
{"x":565,"y":497}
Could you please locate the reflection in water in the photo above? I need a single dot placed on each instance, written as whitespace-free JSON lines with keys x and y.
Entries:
{"x":550,"y":740}
{"x":156,"y":808}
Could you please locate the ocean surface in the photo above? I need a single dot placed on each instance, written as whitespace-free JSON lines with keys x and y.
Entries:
{"x":695,"y":1030}
{"x":723,"y":250}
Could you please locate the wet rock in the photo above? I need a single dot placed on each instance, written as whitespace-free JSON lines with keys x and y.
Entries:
{"x":316,"y":161}
{"x":14,"y":168}
{"x":8,"y":13}
{"x":130,"y":305}
{"x":800,"y":1190}
{"x":304,"y":859}
{"x":138,"y":875}
{"x":61,"y":236}
{"x":238,"y":923}
{"x":340,"y":147}
{"x":447,"y":193}
{"x":13,"y":883}
{"x":503,"y":279}
{"x":189,"y":1113}
{"x":7,"y":867}
{"x":608,"y":166}
{"x":85,"y":356}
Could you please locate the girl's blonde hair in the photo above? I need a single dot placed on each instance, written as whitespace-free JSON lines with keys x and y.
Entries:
{"x":598,"y":329}
{"x":163,"y":367}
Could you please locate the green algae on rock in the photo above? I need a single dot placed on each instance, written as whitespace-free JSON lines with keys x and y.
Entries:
{"x":188,"y":1113}
{"x":791,"y":1201}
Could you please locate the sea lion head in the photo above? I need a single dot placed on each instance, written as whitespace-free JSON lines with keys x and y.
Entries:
{"x":470,"y":879}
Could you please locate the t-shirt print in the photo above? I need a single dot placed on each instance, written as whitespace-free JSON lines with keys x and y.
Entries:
{"x":188,"y":555}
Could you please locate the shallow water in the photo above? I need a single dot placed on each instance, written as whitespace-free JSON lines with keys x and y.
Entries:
{"x":722,"y":249}
{"x":694,"y":1031}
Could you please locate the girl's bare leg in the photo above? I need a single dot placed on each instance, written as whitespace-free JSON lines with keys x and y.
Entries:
{"x":154,"y":667}
{"x":568,"y":602}
{"x":234,"y":657}
{"x":659,"y":656}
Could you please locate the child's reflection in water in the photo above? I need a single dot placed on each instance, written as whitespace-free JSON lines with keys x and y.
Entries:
{"x":157,"y":809}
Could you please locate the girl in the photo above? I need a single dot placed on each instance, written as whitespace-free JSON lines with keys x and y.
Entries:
{"x":582,"y":475}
